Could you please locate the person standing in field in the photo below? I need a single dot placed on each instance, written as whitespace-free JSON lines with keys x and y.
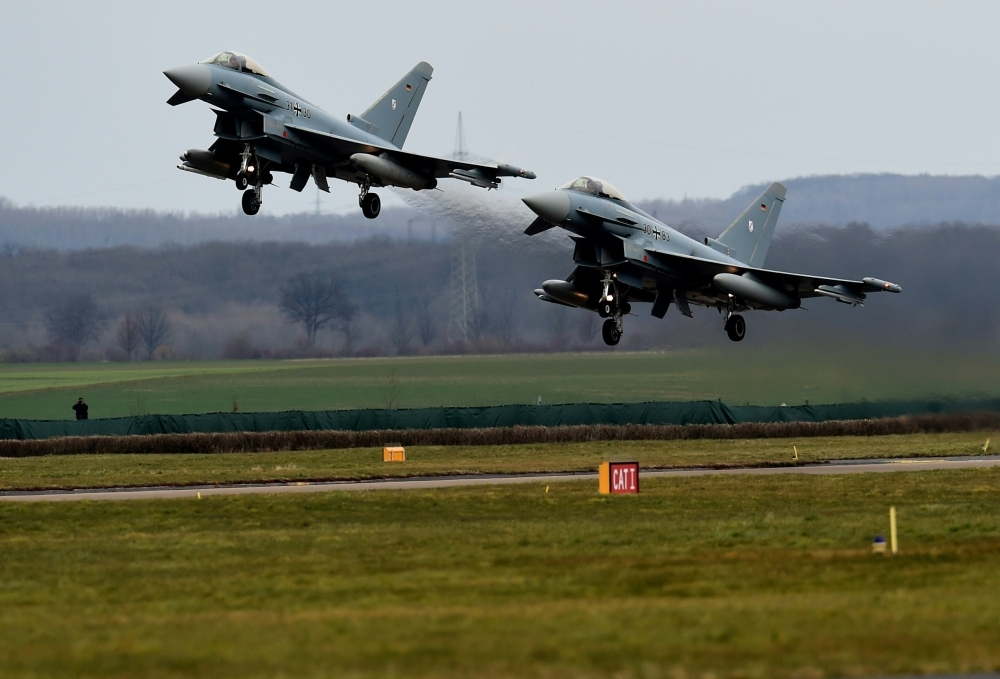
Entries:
{"x":81,"y":409}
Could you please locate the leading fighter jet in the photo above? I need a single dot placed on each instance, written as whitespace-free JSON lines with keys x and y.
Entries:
{"x":623,"y":255}
{"x":263,"y":127}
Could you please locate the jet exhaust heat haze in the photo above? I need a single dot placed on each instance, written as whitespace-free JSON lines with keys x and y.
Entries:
{"x":624,"y":255}
{"x":472,"y":216}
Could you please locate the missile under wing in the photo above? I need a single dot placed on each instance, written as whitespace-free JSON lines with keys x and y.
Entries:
{"x":262,"y":128}
{"x":624,"y":256}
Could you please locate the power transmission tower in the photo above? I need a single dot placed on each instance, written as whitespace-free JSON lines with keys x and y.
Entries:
{"x":463,"y":300}
{"x":463,"y":306}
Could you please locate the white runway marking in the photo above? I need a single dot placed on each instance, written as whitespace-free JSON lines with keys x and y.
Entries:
{"x":163,"y":493}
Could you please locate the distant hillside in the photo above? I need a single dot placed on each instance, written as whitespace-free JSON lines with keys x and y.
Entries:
{"x":82,"y":228}
{"x":883,"y":201}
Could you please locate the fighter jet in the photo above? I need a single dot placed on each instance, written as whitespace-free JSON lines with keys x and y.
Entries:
{"x":263,"y":127}
{"x":624,"y":255}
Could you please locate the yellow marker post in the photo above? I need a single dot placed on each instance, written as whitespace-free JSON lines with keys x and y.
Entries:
{"x":796,"y":452}
{"x":893,"y":545}
{"x":199,"y":494}
{"x":546,"y":489}
{"x":986,"y":446}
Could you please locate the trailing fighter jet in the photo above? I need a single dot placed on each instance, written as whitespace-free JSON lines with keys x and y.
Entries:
{"x":263,"y":127}
{"x":623,"y":256}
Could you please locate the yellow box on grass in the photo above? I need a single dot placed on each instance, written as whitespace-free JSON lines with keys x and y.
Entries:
{"x":393,"y":454}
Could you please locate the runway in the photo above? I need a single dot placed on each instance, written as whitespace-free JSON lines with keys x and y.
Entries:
{"x":416,"y":483}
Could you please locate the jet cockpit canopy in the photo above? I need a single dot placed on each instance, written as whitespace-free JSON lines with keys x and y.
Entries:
{"x":237,"y":62}
{"x":595,"y":187}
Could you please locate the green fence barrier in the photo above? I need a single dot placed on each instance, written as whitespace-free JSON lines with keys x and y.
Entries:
{"x":693,"y":412}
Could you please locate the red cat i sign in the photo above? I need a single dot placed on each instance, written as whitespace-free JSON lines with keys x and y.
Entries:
{"x":619,"y":477}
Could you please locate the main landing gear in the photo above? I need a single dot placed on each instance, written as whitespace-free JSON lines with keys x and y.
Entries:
{"x":736,"y":327}
{"x":371,"y":204}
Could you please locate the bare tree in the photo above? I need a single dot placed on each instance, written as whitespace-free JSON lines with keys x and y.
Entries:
{"x":558,"y":327}
{"x":390,"y":390}
{"x":127,"y":333}
{"x":426,"y":326}
{"x":240,"y":346}
{"x":73,"y":323}
{"x":154,"y":328}
{"x":401,"y":331}
{"x":587,"y":328}
{"x":505,"y":316}
{"x":350,"y":327}
{"x":314,"y":300}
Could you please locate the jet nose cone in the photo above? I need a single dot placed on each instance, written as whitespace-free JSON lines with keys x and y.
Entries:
{"x":552,"y":206}
{"x":192,"y":79}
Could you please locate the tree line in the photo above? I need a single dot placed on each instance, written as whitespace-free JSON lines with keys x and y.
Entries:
{"x":382,"y":296}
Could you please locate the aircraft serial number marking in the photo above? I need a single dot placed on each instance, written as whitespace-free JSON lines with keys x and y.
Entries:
{"x":656,"y":232}
{"x":295,"y":107}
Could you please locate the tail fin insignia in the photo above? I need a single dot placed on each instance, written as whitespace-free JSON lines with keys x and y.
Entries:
{"x":748,"y":242}
{"x":392,"y":115}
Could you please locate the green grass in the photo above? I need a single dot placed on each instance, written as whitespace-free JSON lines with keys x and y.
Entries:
{"x":737,"y":375}
{"x":723,"y":577}
{"x":95,"y":471}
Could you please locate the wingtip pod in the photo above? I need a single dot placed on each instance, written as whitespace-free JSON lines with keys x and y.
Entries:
{"x":879,"y":284}
{"x":504,"y":170}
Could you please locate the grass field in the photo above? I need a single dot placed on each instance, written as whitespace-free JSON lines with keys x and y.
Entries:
{"x":736,"y":375}
{"x":703,"y":577}
{"x":95,"y":471}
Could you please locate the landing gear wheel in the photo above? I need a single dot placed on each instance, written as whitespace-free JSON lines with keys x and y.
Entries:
{"x":251,"y":203}
{"x":611,"y":332}
{"x":371,"y":205}
{"x":736,"y":328}
{"x":242,"y":181}
{"x":605,"y":310}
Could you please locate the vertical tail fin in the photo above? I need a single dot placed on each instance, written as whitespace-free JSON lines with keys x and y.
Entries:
{"x":392,"y":115}
{"x":750,"y":235}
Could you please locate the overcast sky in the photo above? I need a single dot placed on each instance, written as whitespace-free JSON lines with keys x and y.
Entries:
{"x":661,"y":99}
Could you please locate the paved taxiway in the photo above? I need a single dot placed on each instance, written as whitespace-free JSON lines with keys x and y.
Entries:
{"x":837,"y":467}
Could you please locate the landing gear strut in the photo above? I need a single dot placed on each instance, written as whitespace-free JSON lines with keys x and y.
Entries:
{"x":250,"y":175}
{"x":371,"y":204}
{"x":611,"y":307}
{"x":609,"y":297}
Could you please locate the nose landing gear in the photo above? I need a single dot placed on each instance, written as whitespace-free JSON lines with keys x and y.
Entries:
{"x":611,"y":331}
{"x":612,"y":307}
{"x":251,"y":200}
{"x":252,"y":176}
